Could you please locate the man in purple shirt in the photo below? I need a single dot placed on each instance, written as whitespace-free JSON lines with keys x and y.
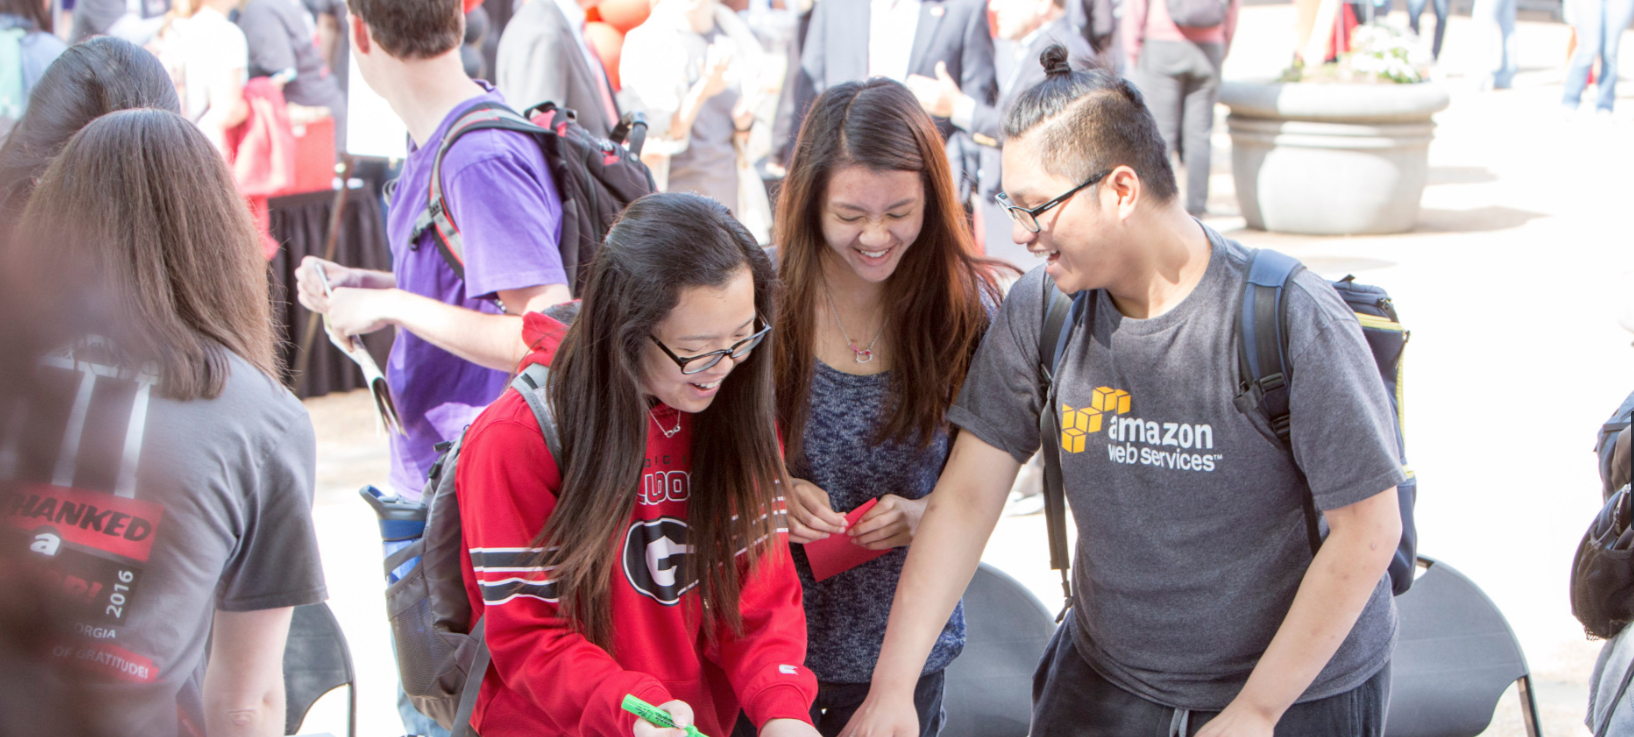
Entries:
{"x":457,"y":339}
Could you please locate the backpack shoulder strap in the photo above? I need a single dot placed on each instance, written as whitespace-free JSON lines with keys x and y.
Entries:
{"x":1262,"y":353}
{"x":531,"y":385}
{"x":436,"y":217}
{"x":473,"y":682}
{"x":1060,"y":313}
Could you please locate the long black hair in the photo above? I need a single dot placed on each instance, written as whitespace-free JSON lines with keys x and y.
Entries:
{"x":661,"y":245}
{"x":87,"y":81}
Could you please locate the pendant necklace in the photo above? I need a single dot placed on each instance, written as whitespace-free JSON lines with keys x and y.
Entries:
{"x":864,"y":355}
{"x":669,"y":432}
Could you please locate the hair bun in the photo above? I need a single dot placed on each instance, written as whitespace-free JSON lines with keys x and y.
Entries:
{"x":1054,"y":60}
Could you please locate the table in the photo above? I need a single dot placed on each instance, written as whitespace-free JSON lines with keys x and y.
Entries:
{"x":300,"y":223}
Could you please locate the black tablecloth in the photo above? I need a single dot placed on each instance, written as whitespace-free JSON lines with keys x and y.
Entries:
{"x":301,"y":224}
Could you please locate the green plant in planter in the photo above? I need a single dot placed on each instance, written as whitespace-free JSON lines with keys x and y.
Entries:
{"x":1379,"y":54}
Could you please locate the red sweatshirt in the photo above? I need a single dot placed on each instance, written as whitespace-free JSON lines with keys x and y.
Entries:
{"x":547,"y":679}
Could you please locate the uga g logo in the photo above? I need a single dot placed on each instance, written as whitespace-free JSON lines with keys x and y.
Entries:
{"x":655,"y":551}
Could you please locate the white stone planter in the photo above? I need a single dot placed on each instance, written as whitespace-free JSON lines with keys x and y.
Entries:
{"x":1331,"y":159}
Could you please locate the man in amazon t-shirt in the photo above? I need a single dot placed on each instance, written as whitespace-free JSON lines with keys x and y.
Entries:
{"x":1197,"y":603}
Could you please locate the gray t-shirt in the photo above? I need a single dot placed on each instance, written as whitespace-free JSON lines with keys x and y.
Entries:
{"x":1191,"y":535}
{"x":155,"y":514}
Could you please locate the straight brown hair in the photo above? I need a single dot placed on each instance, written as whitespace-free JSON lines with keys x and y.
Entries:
{"x":661,"y":245}
{"x":140,"y":218}
{"x":934,"y":301}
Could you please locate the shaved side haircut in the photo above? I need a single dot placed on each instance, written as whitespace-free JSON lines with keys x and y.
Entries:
{"x":1092,"y":120}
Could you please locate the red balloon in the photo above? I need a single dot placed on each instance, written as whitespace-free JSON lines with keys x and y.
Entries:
{"x":625,"y":14}
{"x":469,"y":4}
{"x":606,"y":41}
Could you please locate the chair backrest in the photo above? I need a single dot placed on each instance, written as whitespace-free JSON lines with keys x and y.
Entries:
{"x":1455,"y":658}
{"x":316,"y":661}
{"x":989,"y":690}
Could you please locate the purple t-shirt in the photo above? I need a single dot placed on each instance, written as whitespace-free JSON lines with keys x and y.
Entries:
{"x":501,"y":194}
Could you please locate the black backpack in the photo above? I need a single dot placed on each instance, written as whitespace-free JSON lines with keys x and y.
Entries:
{"x":441,"y":657}
{"x":596,"y":179}
{"x":1264,"y":377}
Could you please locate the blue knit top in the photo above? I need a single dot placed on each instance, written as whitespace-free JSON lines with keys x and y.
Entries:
{"x":846,"y":614}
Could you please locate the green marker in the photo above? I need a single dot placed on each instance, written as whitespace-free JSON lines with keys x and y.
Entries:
{"x":655,"y":715}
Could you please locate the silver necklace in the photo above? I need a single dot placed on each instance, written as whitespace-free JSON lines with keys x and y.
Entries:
{"x":669,"y":432}
{"x":864,"y":355}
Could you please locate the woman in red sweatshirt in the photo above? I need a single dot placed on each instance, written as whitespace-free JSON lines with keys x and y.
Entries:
{"x":652,"y":559}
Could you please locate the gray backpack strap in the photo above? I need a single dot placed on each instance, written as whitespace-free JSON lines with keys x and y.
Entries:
{"x":531,"y":385}
{"x":473,"y":683}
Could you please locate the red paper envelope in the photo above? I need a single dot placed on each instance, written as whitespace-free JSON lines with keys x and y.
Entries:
{"x":836,"y":553}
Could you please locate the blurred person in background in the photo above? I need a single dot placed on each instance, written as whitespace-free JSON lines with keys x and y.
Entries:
{"x":208,"y":57}
{"x":946,"y":60}
{"x":1495,"y":25}
{"x":1097,"y":24}
{"x":543,"y":57}
{"x":1031,"y":26}
{"x":280,"y":45}
{"x":167,"y":473}
{"x":27,"y":47}
{"x":476,"y":34}
{"x":329,"y":24}
{"x":886,"y":304}
{"x":1177,"y":68}
{"x":136,"y":22}
{"x":693,"y":69}
{"x":1599,"y":25}
{"x":90,"y":79}
{"x":1415,"y":8}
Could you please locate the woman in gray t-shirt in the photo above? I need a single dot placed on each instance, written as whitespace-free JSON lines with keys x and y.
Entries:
{"x":885,"y":304}
{"x":165,"y":474}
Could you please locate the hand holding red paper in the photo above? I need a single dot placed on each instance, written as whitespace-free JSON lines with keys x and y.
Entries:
{"x":875,"y":528}
{"x":891,"y":523}
{"x":810,"y":516}
{"x":839,"y":553}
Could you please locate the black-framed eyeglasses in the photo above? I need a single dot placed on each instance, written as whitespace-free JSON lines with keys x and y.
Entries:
{"x":1028,"y":216}
{"x":706,"y":361}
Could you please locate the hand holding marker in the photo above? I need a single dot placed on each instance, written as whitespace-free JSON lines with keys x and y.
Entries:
{"x":657,"y":716}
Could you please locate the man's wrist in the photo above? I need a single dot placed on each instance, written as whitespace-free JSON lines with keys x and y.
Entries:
{"x":391,"y":304}
{"x":1260,"y":705}
{"x":887,"y":685}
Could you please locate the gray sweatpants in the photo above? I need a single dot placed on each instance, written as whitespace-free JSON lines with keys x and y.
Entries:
{"x":1180,"y":81}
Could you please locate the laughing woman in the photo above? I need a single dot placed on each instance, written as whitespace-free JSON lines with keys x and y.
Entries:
{"x":647,"y":559}
{"x":886,"y":303}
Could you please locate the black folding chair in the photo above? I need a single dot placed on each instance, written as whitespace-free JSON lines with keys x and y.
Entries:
{"x":316,"y":661}
{"x":989,"y":690}
{"x":1456,"y":657}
